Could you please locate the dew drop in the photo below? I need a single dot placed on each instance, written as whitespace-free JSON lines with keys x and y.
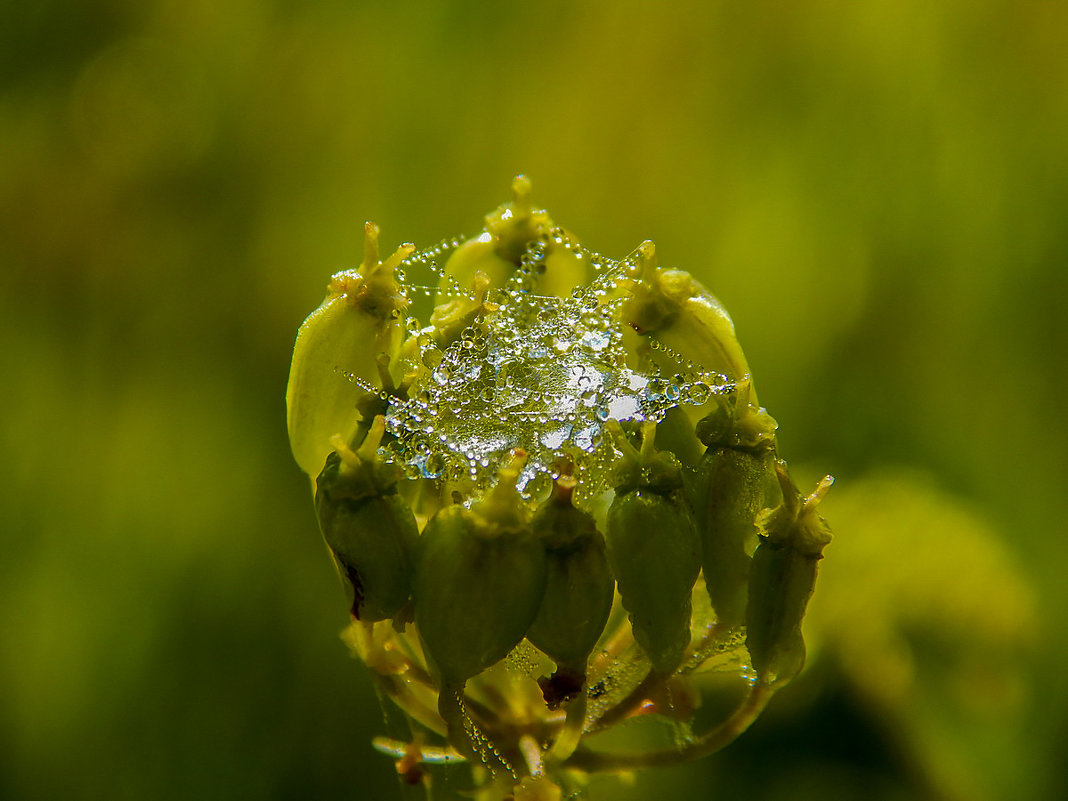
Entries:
{"x":586,"y":437}
{"x":554,"y":438}
{"x":698,"y":393}
{"x":538,"y":487}
{"x":596,"y":340}
{"x":432,"y":357}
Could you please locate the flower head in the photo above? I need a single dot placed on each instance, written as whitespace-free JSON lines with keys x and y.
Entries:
{"x":563,"y":424}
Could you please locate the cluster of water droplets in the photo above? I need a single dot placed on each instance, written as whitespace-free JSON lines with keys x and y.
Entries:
{"x":530,"y":371}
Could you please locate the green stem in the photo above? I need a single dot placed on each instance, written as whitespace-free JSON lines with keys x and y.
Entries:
{"x":568,"y":739}
{"x":632,"y":701}
{"x":411,"y":706}
{"x":654,"y":679}
{"x":712,"y":640}
{"x":712,"y":741}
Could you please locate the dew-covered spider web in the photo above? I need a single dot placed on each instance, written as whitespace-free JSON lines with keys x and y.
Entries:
{"x":535,"y":372}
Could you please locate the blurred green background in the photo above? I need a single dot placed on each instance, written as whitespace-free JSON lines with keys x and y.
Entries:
{"x":878,"y":191}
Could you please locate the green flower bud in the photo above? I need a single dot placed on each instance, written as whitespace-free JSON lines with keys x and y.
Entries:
{"x":358,"y":321}
{"x":368,"y":526}
{"x":653,"y":548}
{"x":475,"y":256}
{"x":578,"y":591}
{"x":730,"y":488}
{"x":678,"y":312}
{"x":499,"y":250}
{"x":479,"y":581}
{"x":563,"y":268}
{"x":782,"y":578}
{"x":735,"y":480}
{"x":449,"y":319}
{"x":675,"y":433}
{"x":737,"y":422}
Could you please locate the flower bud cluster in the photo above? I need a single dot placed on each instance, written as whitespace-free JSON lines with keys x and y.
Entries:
{"x":521,"y":494}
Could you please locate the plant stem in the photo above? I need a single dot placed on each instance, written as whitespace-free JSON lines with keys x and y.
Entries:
{"x":654,"y":678}
{"x":712,"y":741}
{"x":413,"y":708}
{"x":631,"y":702}
{"x":571,"y":732}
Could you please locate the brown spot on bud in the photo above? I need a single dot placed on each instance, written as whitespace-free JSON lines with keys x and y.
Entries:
{"x":353,"y":576}
{"x":561,"y":687}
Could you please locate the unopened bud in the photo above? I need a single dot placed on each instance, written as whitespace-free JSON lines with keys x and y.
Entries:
{"x":730,"y":488}
{"x":782,"y":578}
{"x":674,"y":309}
{"x":479,"y":581}
{"x":653,"y":548}
{"x":358,"y":321}
{"x":578,"y":591}
{"x":368,"y":526}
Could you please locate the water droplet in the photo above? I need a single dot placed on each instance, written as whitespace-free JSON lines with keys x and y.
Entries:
{"x":538,"y":487}
{"x":596,"y":340}
{"x":432,"y":357}
{"x":554,"y":438}
{"x":586,"y":437}
{"x":698,"y":393}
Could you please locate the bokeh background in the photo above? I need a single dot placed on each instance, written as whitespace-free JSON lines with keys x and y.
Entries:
{"x":876,"y":189}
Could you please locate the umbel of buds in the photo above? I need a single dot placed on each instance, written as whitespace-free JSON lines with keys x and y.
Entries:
{"x":554,"y":505}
